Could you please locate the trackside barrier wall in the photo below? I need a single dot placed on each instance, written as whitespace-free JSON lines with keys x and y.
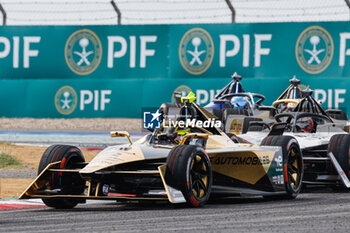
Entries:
{"x":115,"y":71}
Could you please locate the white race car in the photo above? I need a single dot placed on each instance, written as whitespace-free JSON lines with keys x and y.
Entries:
{"x":324,"y":143}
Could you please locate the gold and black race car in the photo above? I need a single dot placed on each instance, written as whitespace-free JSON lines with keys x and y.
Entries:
{"x":189,"y":160}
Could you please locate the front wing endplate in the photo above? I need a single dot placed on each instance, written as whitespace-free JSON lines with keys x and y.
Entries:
{"x":174,"y":195}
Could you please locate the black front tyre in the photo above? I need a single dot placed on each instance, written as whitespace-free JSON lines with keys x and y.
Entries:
{"x":68,"y":183}
{"x":189,"y":170}
{"x":293,"y":166}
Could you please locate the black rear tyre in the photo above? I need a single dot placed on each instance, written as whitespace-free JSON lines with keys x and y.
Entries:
{"x":292,"y":163}
{"x":189,"y":170}
{"x":339,"y":145}
{"x":69,"y":184}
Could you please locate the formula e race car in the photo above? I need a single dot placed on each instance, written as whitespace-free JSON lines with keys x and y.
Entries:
{"x":324,"y":143}
{"x":285,"y":103}
{"x":232,"y":99}
{"x":290,"y":98}
{"x":237,"y":109}
{"x":234,"y":103}
{"x":186,"y":161}
{"x":234,"y":107}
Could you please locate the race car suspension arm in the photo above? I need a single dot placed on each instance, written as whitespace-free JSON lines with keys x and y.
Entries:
{"x":340,"y":171}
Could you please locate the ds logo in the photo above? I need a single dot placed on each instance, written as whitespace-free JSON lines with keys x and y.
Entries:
{"x":66,"y":100}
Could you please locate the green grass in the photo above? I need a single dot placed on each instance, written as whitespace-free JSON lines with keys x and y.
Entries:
{"x":5,"y":144}
{"x":8,"y":161}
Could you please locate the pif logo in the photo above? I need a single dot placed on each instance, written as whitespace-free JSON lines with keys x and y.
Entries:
{"x":196,"y":51}
{"x":66,"y":100}
{"x":314,"y":49}
{"x":83,"y":52}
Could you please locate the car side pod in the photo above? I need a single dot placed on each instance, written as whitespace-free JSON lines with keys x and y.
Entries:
{"x":340,"y":171}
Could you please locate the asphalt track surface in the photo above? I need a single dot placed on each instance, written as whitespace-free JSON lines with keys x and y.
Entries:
{"x":310,"y":212}
{"x":320,"y":211}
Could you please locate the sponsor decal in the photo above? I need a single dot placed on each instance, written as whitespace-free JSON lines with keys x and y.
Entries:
{"x":66,"y":100}
{"x":235,"y":160}
{"x":196,"y":51}
{"x":83,"y":52}
{"x":331,"y":98}
{"x":278,"y":179}
{"x":314,"y":49}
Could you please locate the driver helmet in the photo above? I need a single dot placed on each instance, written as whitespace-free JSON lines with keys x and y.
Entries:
{"x":239,"y":102}
{"x":291,"y":106}
{"x":307,"y":125}
{"x":179,"y":133}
